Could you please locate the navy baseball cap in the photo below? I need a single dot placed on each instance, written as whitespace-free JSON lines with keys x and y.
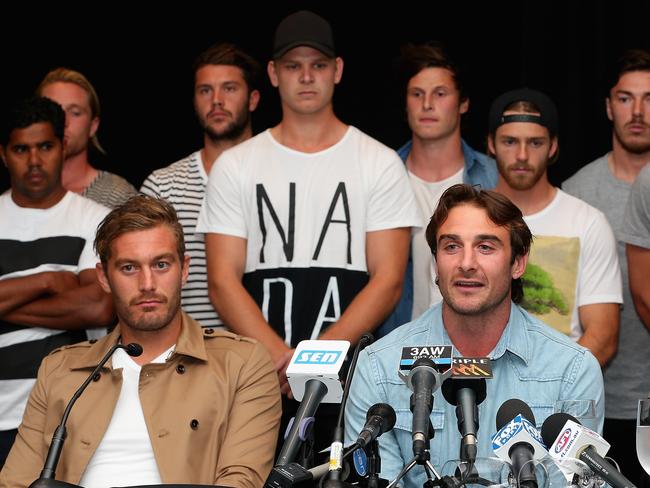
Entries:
{"x":304,"y":28}
{"x":547,"y":117}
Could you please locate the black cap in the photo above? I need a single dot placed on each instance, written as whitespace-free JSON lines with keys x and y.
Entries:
{"x":303,"y":28}
{"x":548,"y":112}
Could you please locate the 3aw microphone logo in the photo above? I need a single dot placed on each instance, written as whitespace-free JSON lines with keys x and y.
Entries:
{"x":563,"y":441}
{"x":318,"y":357}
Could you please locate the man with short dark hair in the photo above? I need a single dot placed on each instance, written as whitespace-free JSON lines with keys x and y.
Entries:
{"x":573,"y":280}
{"x":480,"y":243}
{"x":436,"y":158}
{"x":48,"y":287}
{"x":606,"y":183}
{"x":198,"y":406}
{"x":225,"y":95}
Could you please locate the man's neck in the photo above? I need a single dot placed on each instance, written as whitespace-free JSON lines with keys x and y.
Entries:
{"x":155,"y":342}
{"x":77,"y":173}
{"x":213,"y":149}
{"x":436,"y":160}
{"x":529,"y":201}
{"x":309,"y":133}
{"x":624,"y":165}
{"x":478,"y":335}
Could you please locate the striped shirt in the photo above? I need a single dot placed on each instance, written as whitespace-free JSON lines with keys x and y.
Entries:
{"x":109,"y":189}
{"x":183,"y":185}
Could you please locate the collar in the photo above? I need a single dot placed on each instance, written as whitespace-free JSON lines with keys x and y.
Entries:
{"x":190,"y":343}
{"x":514,"y":338}
{"x":469,"y":154}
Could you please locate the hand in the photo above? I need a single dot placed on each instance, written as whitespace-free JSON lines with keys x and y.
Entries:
{"x":281,"y":366}
{"x":60,"y":281}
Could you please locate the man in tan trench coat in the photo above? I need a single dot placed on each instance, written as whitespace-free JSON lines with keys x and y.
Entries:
{"x":198,"y":406}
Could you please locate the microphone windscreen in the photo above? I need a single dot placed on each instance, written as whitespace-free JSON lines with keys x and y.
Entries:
{"x":386,"y":412}
{"x":553,"y":425}
{"x":510,"y":409}
{"x":451,"y":387}
{"x":133,"y":349}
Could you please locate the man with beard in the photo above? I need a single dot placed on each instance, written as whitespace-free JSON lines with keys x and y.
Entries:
{"x":606,"y":184}
{"x":198,"y":406}
{"x":480,"y":243}
{"x":225,"y":78}
{"x":78,"y":97}
{"x":48,"y":286}
{"x":573,"y":281}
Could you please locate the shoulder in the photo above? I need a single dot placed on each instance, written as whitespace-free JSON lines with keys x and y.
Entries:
{"x":370,"y":145}
{"x":64,"y":357}
{"x":180,"y":167}
{"x":117,"y":182}
{"x":580,"y":209}
{"x":220,"y":344}
{"x":586,"y":178}
{"x":86,"y":208}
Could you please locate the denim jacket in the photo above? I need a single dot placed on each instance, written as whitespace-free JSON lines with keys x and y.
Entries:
{"x":479,"y":170}
{"x":531,"y":362}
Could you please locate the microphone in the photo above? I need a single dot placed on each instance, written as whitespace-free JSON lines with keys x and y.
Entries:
{"x":379,"y":419}
{"x":518,"y":441}
{"x":466,"y":395}
{"x":423,"y":380}
{"x":49,"y":468}
{"x":568,"y":439}
{"x":313,"y":376}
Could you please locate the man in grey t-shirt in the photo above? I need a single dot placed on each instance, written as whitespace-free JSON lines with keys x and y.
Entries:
{"x":605,"y":184}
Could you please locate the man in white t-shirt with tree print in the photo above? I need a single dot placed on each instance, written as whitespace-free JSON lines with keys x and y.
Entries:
{"x":573,"y":281}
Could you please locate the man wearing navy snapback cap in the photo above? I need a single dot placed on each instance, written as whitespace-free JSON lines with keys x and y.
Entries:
{"x":573,"y":279}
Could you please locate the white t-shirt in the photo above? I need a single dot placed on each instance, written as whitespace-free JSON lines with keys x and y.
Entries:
{"x":125,"y":457}
{"x":573,"y":262}
{"x":427,"y":194}
{"x":33,"y":240}
{"x":305,"y":217}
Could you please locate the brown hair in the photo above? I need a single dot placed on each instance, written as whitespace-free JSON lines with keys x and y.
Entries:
{"x":228,"y":54}
{"x":66,"y":75}
{"x":499,"y":209}
{"x":630,"y":60}
{"x":140,"y":212}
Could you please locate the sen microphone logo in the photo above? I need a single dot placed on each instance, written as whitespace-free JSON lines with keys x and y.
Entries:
{"x":562,"y":441}
{"x":318,"y":357}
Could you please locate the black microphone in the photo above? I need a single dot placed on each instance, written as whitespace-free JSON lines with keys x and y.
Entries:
{"x":49,"y":468}
{"x":466,"y":395}
{"x":379,"y":419}
{"x":521,"y":453}
{"x":423,"y":380}
{"x":336,"y":449}
{"x":577,"y":443}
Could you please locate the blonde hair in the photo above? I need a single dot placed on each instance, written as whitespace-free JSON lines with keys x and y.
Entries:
{"x":140,"y":212}
{"x":65,"y":75}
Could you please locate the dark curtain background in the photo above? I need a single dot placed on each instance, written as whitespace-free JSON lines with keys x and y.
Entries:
{"x":140,"y":63}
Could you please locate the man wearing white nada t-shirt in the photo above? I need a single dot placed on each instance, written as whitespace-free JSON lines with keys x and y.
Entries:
{"x":307,"y":224}
{"x":573,"y":282}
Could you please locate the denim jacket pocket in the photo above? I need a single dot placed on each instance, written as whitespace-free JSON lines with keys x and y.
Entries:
{"x":403,"y":428}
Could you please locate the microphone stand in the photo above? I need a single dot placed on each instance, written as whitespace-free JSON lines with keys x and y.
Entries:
{"x":46,"y":480}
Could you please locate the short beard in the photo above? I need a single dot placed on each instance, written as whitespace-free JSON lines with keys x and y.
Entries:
{"x":232,"y":132}
{"x":481,"y":309}
{"x":637,"y":148}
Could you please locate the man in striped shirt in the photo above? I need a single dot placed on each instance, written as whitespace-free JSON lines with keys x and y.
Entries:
{"x":49,"y":290}
{"x":225,"y":78}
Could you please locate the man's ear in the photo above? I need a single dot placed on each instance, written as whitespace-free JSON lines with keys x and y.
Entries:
{"x":519,"y":266}
{"x":102,"y":278}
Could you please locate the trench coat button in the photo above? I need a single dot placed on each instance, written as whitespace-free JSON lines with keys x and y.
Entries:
{"x":97,"y":376}
{"x":209,"y":331}
{"x":180,"y":369}
{"x":194,"y":424}
{"x":92,"y":341}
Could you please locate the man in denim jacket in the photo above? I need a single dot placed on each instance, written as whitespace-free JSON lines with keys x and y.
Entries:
{"x":436,"y":157}
{"x":481,"y":244}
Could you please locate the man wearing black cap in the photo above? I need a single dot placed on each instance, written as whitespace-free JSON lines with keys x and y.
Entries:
{"x":307,"y":224}
{"x":573,"y":281}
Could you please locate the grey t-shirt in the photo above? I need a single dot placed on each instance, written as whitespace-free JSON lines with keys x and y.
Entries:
{"x":625,"y":381}
{"x":636,"y":226}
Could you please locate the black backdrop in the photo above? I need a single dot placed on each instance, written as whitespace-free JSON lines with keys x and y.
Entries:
{"x":140,"y":63}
